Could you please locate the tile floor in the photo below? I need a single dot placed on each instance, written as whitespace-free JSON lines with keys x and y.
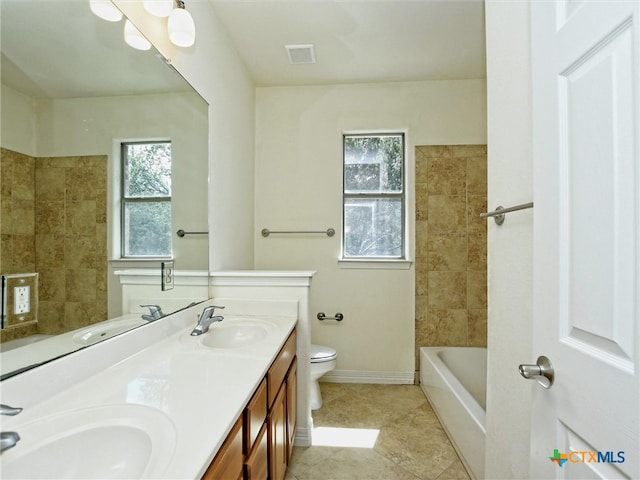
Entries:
{"x":410,"y":445}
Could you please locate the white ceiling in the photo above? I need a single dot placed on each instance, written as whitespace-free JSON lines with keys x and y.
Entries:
{"x":58,"y":49}
{"x":358,"y":41}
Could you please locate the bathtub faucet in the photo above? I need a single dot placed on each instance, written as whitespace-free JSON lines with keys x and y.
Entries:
{"x":206,"y":319}
{"x":155,"y":313}
{"x":8,"y":439}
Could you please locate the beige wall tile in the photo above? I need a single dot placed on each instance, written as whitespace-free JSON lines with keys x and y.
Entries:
{"x":477,"y":325}
{"x":50,"y":183}
{"x":431,"y":151}
{"x":421,"y":167}
{"x":422,"y":207}
{"x":451,"y":250}
{"x":421,"y":278}
{"x":447,"y":214}
{"x":469,"y":150}
{"x":50,"y":217}
{"x":477,"y":251}
{"x":476,"y":204}
{"x":447,"y":289}
{"x":80,"y":285}
{"x":477,"y":290}
{"x":477,"y":176}
{"x":52,"y":285}
{"x":80,"y":217}
{"x":22,"y":216}
{"x":447,"y":252}
{"x":447,"y":327}
{"x":447,"y":176}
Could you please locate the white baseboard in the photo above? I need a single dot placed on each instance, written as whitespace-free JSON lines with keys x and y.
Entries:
{"x":302,"y":438}
{"x":361,"y":376}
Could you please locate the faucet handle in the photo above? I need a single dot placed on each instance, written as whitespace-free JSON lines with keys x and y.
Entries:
{"x":153,"y":309}
{"x":7,"y":410}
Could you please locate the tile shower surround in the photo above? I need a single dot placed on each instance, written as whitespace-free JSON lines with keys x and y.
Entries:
{"x":54,"y":222}
{"x":451,"y":246}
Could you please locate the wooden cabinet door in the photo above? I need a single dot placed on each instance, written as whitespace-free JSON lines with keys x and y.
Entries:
{"x":228,"y":463}
{"x":277,"y":433}
{"x":292,"y":406}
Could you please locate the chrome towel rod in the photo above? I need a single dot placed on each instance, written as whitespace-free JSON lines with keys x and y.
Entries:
{"x":338,"y":317}
{"x":329,"y":232}
{"x":499,"y":212}
{"x":181,"y":233}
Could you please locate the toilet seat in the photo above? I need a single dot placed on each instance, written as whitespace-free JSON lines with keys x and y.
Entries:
{"x":321,"y":354}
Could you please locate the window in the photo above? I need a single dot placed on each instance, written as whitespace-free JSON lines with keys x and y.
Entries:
{"x":146,"y":199}
{"x":373,"y":196}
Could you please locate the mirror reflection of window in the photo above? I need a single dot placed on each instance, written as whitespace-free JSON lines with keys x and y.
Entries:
{"x":146,"y":199}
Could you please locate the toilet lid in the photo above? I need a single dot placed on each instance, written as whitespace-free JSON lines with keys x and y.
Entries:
{"x":320,"y":353}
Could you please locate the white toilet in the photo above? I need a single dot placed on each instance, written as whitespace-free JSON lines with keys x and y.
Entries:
{"x":323,"y":360}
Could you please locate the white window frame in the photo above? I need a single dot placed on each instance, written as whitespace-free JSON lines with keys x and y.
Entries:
{"x":402,"y":262}
{"x":123,"y":201}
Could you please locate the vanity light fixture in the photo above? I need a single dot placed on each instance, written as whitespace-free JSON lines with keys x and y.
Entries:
{"x":134,"y":38}
{"x":182,"y":29}
{"x":180,"y":24}
{"x":159,"y":8}
{"x":105,"y":10}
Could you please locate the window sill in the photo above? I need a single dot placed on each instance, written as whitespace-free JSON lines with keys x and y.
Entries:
{"x":137,"y":262}
{"x":375,"y":264}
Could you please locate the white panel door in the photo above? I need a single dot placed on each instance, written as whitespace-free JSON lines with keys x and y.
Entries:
{"x":586,"y":97}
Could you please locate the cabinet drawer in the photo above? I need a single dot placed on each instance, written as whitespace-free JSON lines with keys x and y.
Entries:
{"x":280,"y":366}
{"x":255,"y":415}
{"x":257,"y":465}
{"x":227,"y":464}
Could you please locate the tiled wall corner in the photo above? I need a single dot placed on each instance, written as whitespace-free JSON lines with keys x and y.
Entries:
{"x":451,"y":245}
{"x":53,"y":221}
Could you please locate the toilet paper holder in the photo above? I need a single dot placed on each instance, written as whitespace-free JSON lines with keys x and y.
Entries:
{"x":338,"y":316}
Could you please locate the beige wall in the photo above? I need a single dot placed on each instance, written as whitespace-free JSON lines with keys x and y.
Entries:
{"x":451,"y":245}
{"x":299,"y":186}
{"x":61,"y":129}
{"x":213,"y":67}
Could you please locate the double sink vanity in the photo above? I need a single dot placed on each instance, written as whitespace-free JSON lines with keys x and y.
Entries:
{"x":157,"y":402}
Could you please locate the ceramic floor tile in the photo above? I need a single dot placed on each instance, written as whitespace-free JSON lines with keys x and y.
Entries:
{"x":411,"y":444}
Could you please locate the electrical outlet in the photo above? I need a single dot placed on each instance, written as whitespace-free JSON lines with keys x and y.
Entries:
{"x":167,"y":276}
{"x":22,"y":300}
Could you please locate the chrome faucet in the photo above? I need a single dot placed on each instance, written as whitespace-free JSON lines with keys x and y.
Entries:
{"x":155,"y":313}
{"x":206,"y":319}
{"x":8,"y":439}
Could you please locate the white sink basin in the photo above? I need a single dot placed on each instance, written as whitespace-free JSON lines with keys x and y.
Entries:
{"x":109,"y":442}
{"x":236,"y":333}
{"x":102,"y":331}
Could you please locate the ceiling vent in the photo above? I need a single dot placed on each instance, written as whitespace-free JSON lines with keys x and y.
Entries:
{"x":300,"y":54}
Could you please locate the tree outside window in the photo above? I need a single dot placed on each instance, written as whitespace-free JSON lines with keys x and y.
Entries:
{"x":146,"y":199}
{"x":373,"y":196}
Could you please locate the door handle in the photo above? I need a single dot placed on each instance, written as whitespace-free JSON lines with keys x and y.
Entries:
{"x":542,"y":371}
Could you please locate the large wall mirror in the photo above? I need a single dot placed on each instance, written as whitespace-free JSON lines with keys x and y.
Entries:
{"x":72,"y":93}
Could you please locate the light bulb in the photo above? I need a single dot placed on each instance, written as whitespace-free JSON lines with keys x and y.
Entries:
{"x":134,"y":38}
{"x":159,"y":8}
{"x":105,"y":10}
{"x":182,"y":30}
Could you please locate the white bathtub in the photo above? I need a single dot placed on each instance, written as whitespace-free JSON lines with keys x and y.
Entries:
{"x":454,"y":379}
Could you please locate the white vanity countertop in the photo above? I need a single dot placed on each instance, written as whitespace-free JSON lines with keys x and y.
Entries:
{"x":201,"y":390}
